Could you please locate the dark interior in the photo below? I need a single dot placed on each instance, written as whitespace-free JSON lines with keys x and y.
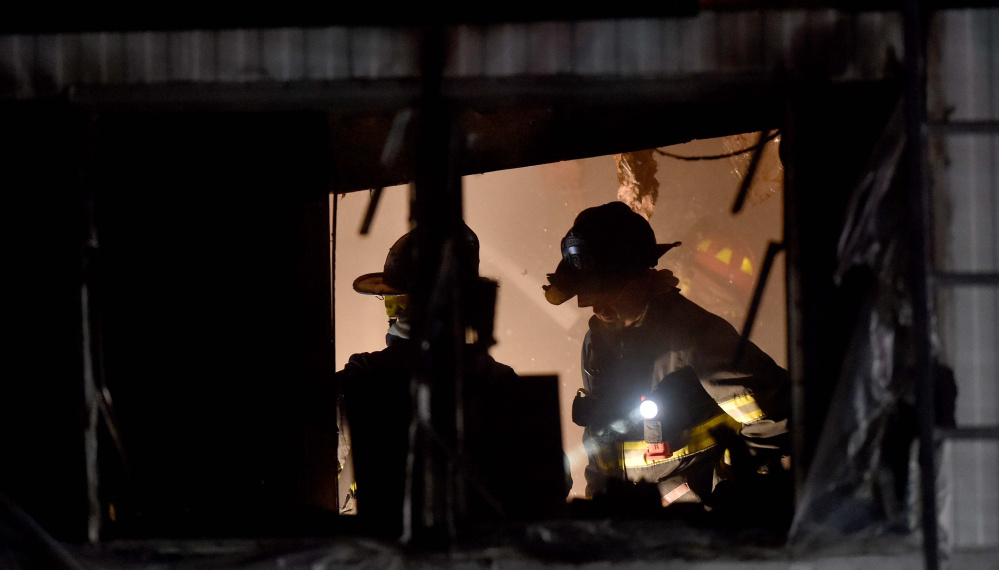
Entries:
{"x":209,"y":285}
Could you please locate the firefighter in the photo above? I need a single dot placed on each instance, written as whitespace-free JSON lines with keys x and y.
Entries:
{"x":374,"y":389}
{"x":664,"y":399}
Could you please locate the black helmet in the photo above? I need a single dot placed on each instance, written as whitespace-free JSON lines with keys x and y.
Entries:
{"x":396,"y":277}
{"x":606,"y":246}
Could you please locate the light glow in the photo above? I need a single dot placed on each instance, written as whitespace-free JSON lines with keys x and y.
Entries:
{"x":649,"y":409}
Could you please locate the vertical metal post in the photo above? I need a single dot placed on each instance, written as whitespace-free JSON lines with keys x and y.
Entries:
{"x":436,"y":211}
{"x":922,"y":301}
{"x":793,"y":286}
{"x":336,"y":389}
{"x":91,"y":345}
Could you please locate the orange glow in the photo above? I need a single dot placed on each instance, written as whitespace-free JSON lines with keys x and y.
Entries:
{"x":520,"y":216}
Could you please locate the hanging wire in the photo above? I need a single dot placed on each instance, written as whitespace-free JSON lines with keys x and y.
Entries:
{"x":763,"y":142}
{"x":747,"y":180}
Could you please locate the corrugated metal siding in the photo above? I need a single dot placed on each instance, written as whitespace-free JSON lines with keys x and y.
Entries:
{"x":46,"y":64}
{"x":838,"y":45}
{"x":970,"y":509}
{"x":964,"y":85}
{"x":830,"y":43}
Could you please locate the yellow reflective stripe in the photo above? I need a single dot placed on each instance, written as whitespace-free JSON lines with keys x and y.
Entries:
{"x":737,"y":402}
{"x":703,"y":430}
{"x":744,"y":409}
{"x":698,"y":439}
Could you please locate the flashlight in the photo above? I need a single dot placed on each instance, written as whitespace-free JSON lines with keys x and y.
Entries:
{"x":649,"y":409}
{"x":657,"y":447}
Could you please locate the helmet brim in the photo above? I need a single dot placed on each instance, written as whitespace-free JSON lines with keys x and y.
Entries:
{"x":374,"y":284}
{"x":567,"y":281}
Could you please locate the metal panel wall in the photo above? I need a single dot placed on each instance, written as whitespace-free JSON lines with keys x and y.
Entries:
{"x":822,"y":42}
{"x":964,"y":86}
{"x":46,"y":64}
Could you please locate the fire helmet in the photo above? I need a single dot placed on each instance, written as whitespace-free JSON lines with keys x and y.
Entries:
{"x":397,"y":274}
{"x":606,"y":246}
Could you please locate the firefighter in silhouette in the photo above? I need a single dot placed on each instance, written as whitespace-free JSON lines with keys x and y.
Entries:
{"x":375,"y":387}
{"x":671,"y":396}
